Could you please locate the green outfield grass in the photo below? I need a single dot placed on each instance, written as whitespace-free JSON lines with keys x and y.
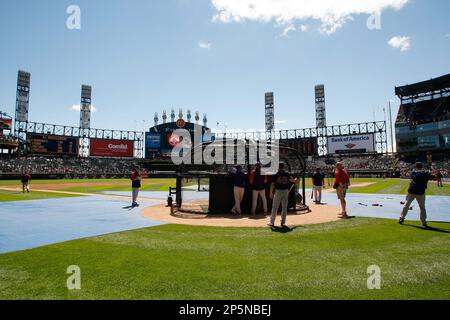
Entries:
{"x":6,"y":196}
{"x":326,"y":261}
{"x":162,"y":185}
{"x":61,"y":181}
{"x":379,"y":186}
{"x":157,"y":185}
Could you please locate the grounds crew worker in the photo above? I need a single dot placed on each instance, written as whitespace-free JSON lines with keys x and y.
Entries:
{"x":416,"y":191}
{"x":135,"y":185}
{"x":439,"y":178}
{"x":25,"y":179}
{"x":341,"y":185}
{"x":279,"y":192}
{"x":318,"y":180}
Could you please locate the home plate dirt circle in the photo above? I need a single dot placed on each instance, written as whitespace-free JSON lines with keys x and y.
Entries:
{"x":319,"y":214}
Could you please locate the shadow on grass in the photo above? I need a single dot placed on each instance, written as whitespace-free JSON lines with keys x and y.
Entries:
{"x":429,"y":228}
{"x":283,"y":230}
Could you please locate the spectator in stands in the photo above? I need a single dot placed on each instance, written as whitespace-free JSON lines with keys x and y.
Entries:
{"x":70,"y":166}
{"x":341,"y":184}
{"x":258,"y":181}
{"x":136,"y":185}
{"x":25,"y":179}
{"x":318,"y":181}
{"x":279,"y":192}
{"x":239,"y":178}
{"x":416,"y":191}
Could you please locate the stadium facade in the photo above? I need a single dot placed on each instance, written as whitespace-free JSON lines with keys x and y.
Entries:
{"x":423,"y":121}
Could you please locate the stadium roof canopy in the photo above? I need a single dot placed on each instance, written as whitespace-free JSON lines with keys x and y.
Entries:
{"x":432,"y":85}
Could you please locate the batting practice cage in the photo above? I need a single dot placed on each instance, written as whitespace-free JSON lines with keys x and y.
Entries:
{"x":207,"y":188}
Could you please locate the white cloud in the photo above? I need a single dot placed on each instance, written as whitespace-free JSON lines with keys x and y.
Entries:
{"x":291,"y":28}
{"x":332,"y":14}
{"x":204,"y":45}
{"x":77,"y":107}
{"x":402,"y":43}
{"x":281,"y":122}
{"x":288,"y":29}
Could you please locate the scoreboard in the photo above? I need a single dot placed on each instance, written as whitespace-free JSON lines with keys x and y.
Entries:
{"x":51,"y":144}
{"x":306,"y":146}
{"x":161,"y":140}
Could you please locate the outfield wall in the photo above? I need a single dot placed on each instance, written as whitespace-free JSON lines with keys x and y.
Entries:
{"x":14,"y":176}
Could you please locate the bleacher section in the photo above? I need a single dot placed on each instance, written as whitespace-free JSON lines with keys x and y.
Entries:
{"x":423,"y":120}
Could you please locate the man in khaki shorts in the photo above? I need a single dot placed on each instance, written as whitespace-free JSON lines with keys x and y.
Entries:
{"x":416,"y":191}
{"x":341,"y":184}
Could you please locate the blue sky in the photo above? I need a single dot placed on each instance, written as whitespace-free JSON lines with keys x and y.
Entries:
{"x":143,"y":57}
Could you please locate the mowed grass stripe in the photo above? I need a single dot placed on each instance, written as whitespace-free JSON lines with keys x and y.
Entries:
{"x":9,"y":196}
{"x":327,"y":261}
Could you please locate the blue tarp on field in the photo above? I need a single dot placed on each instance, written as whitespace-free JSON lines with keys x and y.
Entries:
{"x":35,"y":223}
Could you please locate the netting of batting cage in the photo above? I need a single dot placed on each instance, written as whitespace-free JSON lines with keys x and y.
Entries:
{"x":192,"y":194}
{"x":207,"y":187}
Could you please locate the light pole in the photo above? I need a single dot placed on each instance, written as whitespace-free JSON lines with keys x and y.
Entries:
{"x":391,"y":128}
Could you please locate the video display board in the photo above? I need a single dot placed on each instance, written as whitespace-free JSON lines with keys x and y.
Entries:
{"x":152,"y":140}
{"x":160,"y":140}
{"x":51,"y":144}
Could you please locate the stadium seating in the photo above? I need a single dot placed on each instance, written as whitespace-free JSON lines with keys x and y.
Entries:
{"x":45,"y":165}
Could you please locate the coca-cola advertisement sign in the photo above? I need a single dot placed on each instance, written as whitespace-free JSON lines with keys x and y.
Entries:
{"x":112,"y":148}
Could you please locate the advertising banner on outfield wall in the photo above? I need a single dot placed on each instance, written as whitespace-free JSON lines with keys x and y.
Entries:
{"x":111,"y":148}
{"x":362,"y":143}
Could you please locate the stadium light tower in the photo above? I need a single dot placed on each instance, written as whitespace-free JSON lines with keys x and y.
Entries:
{"x":85,"y":118}
{"x":391,"y":124}
{"x":22,"y":104}
{"x":270,"y":111}
{"x":23,"y":96}
{"x":85,"y":108}
{"x":321,"y":117}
